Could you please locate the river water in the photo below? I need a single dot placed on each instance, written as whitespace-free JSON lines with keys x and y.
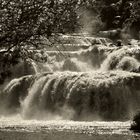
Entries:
{"x":88,"y":91}
{"x":16,"y":128}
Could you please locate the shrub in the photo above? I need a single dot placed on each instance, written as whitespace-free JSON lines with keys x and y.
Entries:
{"x":136,"y":123}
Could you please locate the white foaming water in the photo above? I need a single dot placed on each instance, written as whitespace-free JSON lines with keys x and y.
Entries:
{"x":82,"y":60}
{"x":124,"y":58}
{"x":77,"y":85}
{"x":74,"y":95}
{"x":17,"y":124}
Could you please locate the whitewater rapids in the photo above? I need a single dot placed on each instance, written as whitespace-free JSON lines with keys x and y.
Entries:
{"x":73,"y":95}
{"x":89,"y":91}
{"x":16,"y":123}
{"x":16,"y":127}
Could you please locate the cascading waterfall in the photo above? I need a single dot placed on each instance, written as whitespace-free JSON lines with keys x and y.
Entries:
{"x":108,"y":95}
{"x":82,"y":60}
{"x":124,"y":58}
{"x":15,"y":91}
{"x":100,"y":82}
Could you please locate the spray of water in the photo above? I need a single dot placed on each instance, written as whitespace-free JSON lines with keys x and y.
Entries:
{"x":124,"y":58}
{"x":72,"y":95}
{"x":78,"y":85}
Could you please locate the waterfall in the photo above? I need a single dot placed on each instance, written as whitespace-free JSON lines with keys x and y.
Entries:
{"x":96,"y":82}
{"x":108,"y":95}
{"x":124,"y":58}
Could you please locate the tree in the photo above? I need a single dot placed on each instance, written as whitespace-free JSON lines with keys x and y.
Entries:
{"x":116,"y":13}
{"x":133,"y":21}
{"x":135,"y":126}
{"x":26,"y":23}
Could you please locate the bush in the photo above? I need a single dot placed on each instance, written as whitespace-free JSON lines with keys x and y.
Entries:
{"x":136,"y":123}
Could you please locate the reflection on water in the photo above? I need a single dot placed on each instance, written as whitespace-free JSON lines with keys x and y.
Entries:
{"x":62,"y":136}
{"x":14,"y":128}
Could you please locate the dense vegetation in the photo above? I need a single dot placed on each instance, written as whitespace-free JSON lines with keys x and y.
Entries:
{"x":26,"y":23}
{"x":136,"y":123}
{"x":122,"y":14}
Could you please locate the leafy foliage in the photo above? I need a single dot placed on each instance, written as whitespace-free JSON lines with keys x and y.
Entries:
{"x":118,"y":13}
{"x":122,"y":14}
{"x":134,"y":21}
{"x":136,"y":123}
{"x":24,"y":22}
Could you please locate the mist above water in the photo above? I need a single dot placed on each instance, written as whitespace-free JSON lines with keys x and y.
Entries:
{"x":72,"y":95}
{"x":98,"y":82}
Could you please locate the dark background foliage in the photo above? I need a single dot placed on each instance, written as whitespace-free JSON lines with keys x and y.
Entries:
{"x":26,"y":23}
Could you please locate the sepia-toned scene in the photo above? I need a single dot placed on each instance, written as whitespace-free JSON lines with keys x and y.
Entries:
{"x":69,"y":69}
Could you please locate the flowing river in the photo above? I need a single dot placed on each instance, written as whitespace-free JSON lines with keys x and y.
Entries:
{"x":87,"y":90}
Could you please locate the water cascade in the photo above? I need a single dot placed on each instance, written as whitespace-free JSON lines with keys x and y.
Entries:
{"x":104,"y":95}
{"x":97,"y":82}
